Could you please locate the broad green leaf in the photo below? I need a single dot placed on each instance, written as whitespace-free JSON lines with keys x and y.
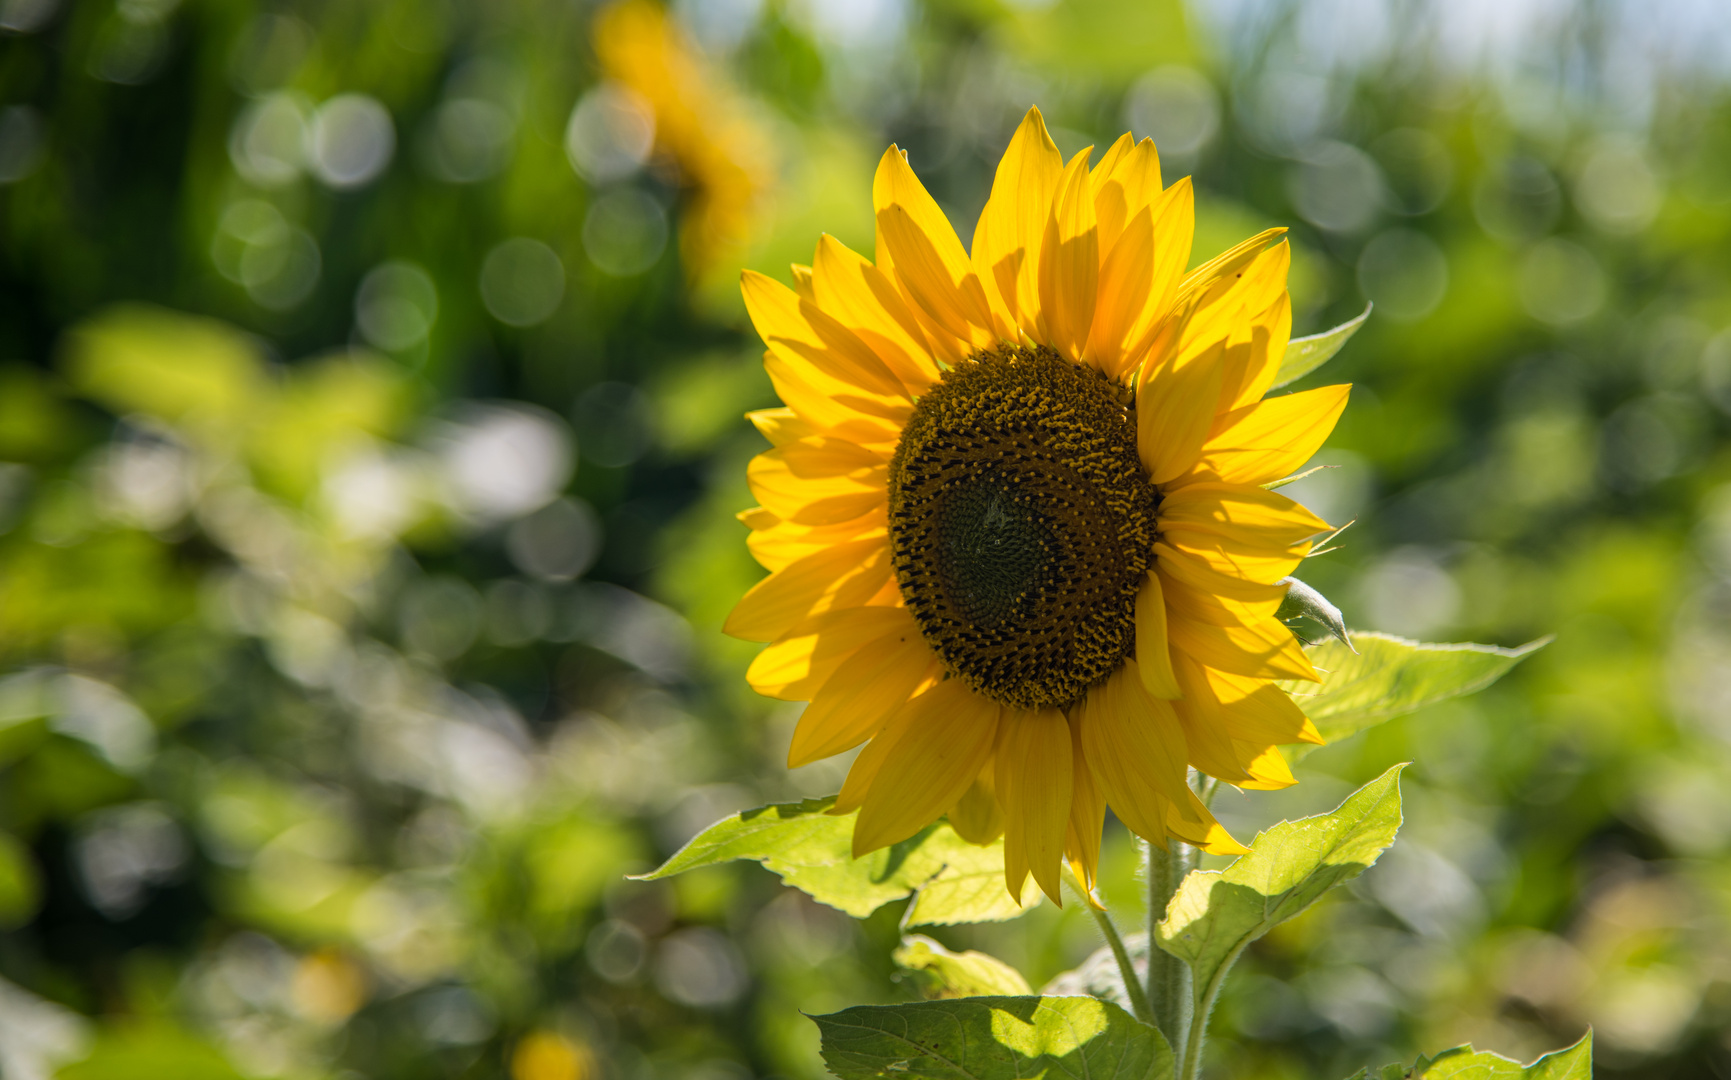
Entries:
{"x":1465,"y":1063}
{"x":945,"y":974}
{"x":811,"y":850}
{"x":993,"y":1038}
{"x":1216,"y":913}
{"x":1304,"y":355}
{"x":1390,"y":677}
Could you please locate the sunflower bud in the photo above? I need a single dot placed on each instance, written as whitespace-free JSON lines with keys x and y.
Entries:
{"x":1309,"y":614}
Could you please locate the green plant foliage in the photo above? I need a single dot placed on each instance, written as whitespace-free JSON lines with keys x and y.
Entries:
{"x":941,"y":973}
{"x":152,"y":1051}
{"x":1465,"y":1063}
{"x":1216,"y":913}
{"x":1304,"y":355}
{"x":20,"y":883}
{"x":993,"y":1038}
{"x":955,"y":881}
{"x":1390,"y":676}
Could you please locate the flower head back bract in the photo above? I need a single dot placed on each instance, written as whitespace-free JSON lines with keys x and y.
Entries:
{"x":1014,"y":514}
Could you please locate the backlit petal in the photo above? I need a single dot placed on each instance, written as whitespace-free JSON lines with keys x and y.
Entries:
{"x":1034,"y":783}
{"x":947,"y":737}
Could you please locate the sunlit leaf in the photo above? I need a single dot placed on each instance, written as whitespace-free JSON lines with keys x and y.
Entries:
{"x":945,"y":974}
{"x":1216,"y":913}
{"x":1304,"y":355}
{"x":811,"y":850}
{"x":153,"y":1051}
{"x":1390,"y":677}
{"x":1465,"y":1063}
{"x":993,"y":1038}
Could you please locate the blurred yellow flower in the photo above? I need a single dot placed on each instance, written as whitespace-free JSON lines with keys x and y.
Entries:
{"x":328,"y":987}
{"x":547,"y":1055}
{"x":703,"y":128}
{"x":1014,"y":511}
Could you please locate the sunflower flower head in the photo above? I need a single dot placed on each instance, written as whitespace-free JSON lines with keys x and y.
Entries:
{"x":1014,"y":513}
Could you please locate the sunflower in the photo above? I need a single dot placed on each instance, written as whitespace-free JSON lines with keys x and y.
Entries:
{"x":1017,"y":511}
{"x":704,"y":130}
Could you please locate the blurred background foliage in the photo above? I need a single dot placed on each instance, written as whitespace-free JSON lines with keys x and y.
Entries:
{"x":370,"y":391}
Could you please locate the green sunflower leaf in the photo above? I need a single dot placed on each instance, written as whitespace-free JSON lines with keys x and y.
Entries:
{"x":945,"y":974}
{"x":1304,"y":355}
{"x":993,"y":1038}
{"x":1389,"y":677}
{"x":1216,"y":913}
{"x":1465,"y":1063}
{"x":952,"y":881}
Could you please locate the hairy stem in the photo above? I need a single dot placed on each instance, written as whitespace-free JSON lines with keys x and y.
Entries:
{"x":1168,"y":976}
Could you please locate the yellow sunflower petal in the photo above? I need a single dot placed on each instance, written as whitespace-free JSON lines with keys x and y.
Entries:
{"x":796,"y":326}
{"x":796,"y":664}
{"x":1174,"y":414}
{"x":819,"y":481}
{"x":1262,"y":650}
{"x":776,"y":543}
{"x":831,"y":407}
{"x":1013,"y":224}
{"x":866,"y":301}
{"x":1263,"y":442}
{"x":1125,"y":275}
{"x":1226,"y":555}
{"x":1153,"y":657}
{"x":802,"y":282}
{"x":1070,"y":262}
{"x":1195,"y":825}
{"x":1204,"y":729}
{"x":1126,"y":182}
{"x":780,"y":426}
{"x":1198,"y":575}
{"x":947,"y":737}
{"x":1087,"y":814}
{"x":1222,"y":610}
{"x":1245,"y":514}
{"x":1267,"y":768}
{"x":1035,"y":782}
{"x":859,"y":697}
{"x":1226,"y":265}
{"x":956,"y":302}
{"x":1135,"y":746}
{"x":1257,"y":711}
{"x":976,"y":817}
{"x":1253,"y":361}
{"x":927,"y":257}
{"x":843,"y":576}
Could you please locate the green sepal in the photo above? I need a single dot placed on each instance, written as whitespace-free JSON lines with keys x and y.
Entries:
{"x":952,"y":881}
{"x":940,"y":973}
{"x":1215,"y":914}
{"x":1304,"y":355}
{"x":993,"y":1038}
{"x":1383,"y":677}
{"x":1465,"y":1063}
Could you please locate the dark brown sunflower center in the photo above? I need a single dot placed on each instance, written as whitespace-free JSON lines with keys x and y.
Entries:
{"x":1021,"y":525}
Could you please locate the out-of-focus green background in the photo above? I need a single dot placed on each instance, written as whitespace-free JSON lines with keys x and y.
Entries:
{"x":370,"y":390}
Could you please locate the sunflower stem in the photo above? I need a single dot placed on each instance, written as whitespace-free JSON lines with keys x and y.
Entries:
{"x":1168,"y":976}
{"x":1126,"y":967}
